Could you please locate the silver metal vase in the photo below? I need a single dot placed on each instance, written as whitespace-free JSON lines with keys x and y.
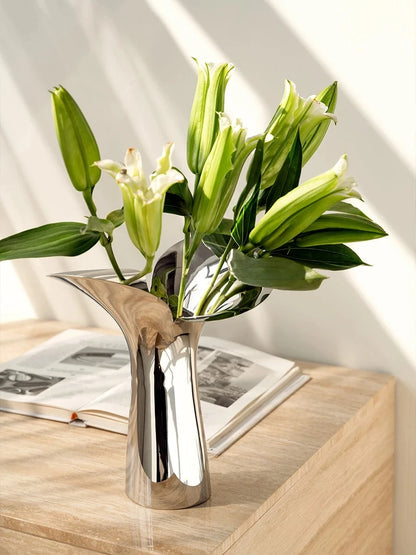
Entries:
{"x":167,"y":465}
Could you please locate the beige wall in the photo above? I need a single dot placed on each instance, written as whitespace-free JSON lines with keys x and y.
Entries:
{"x":128,"y":64}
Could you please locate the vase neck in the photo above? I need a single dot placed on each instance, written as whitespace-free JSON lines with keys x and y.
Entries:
{"x":144,"y":319}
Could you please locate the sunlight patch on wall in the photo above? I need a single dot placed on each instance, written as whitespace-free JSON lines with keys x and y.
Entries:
{"x":15,"y":304}
{"x":380,"y":35}
{"x":134,"y":87}
{"x":32,"y":165}
{"x":393,"y":281}
{"x":194,"y":41}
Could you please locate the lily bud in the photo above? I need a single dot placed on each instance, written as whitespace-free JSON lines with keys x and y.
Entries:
{"x":292,"y":213}
{"x":220,"y":175}
{"x":208,"y":102}
{"x":143,"y":200}
{"x":76,"y":140}
{"x":293,"y":113}
{"x":208,"y":195}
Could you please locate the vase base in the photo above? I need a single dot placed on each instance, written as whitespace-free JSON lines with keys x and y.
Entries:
{"x":169,"y":494}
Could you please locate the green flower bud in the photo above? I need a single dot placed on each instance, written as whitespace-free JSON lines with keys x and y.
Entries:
{"x":294,"y":212}
{"x":209,"y":193}
{"x":220,"y":175}
{"x":208,"y":102}
{"x":76,"y":140}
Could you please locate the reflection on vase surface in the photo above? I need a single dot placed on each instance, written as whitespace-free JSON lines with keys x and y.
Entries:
{"x":165,"y":427}
{"x":166,"y":455}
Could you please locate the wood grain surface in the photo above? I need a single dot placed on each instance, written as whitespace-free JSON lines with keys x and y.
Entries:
{"x":315,"y":476}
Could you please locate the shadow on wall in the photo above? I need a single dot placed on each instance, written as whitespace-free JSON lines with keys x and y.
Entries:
{"x":271,"y":53}
{"x":110,"y":76}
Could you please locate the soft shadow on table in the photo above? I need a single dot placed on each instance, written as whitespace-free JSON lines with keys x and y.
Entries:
{"x":226,"y":489}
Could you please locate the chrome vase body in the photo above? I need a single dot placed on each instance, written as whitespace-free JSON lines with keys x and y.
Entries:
{"x":166,"y":454}
{"x":167,"y":466}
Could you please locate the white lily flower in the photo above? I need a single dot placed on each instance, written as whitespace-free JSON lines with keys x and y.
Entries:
{"x":294,"y":113}
{"x":143,"y":199}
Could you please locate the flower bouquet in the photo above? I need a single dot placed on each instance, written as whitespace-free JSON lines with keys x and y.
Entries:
{"x":249,"y":226}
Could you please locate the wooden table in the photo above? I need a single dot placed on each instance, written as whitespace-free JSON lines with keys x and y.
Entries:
{"x":315,"y":476}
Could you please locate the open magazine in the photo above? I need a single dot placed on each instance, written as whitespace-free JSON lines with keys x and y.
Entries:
{"x":84,"y":378}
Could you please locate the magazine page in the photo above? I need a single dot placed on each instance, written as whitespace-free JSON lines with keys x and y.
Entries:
{"x":86,"y":375}
{"x":78,"y":351}
{"x":231,"y":377}
{"x":270,"y":396}
{"x":63,"y":373}
{"x":236,"y":391}
{"x":220,"y":442}
{"x":111,"y":410}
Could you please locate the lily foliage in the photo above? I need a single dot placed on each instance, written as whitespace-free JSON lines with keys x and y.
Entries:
{"x":280,"y":230}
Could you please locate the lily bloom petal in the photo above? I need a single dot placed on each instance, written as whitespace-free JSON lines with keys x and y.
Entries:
{"x":143,"y":199}
{"x":308,"y":115}
{"x":109,"y":166}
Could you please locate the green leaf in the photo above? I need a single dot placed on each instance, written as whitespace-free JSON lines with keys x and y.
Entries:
{"x":246,"y":219}
{"x":287,"y":178}
{"x":158,"y":288}
{"x":334,"y":237}
{"x":325,"y":257}
{"x":345,"y":221}
{"x":248,"y":301}
{"x":76,"y":140}
{"x":116,"y":217}
{"x":253,"y":177}
{"x":254,"y":172}
{"x":99,"y":224}
{"x":225,"y":227}
{"x":58,"y":239}
{"x":173,"y":301}
{"x":346,"y":208}
{"x":339,"y":228}
{"x":178,"y":199}
{"x":217,"y":242}
{"x":175,"y":203}
{"x":273,"y":272}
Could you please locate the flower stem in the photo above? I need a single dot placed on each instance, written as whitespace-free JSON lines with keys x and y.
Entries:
{"x":189,"y":249}
{"x":239,"y":288}
{"x":223,"y":295}
{"x":197,"y":178}
{"x":146,"y":270}
{"x":106,"y":242}
{"x":208,"y":291}
{"x":104,"y":239}
{"x":87,"y":194}
{"x":214,"y":291}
